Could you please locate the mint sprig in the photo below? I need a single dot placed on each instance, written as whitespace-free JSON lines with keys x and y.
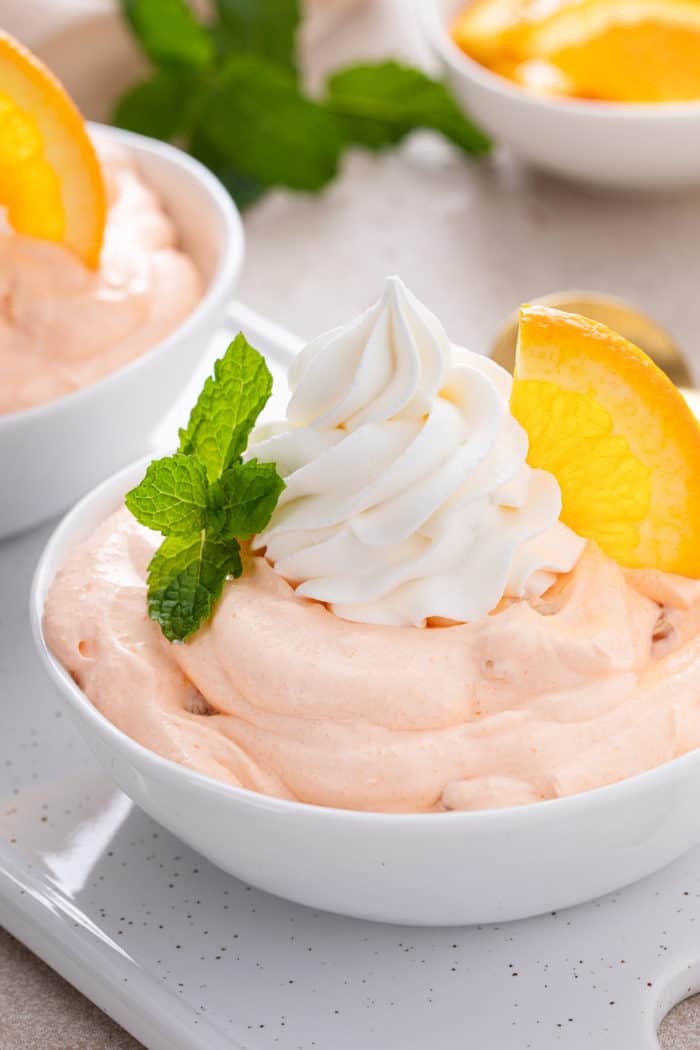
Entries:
{"x":260,"y":27}
{"x":204,"y":499}
{"x":185,"y":579}
{"x":378,"y":104}
{"x":159,"y":106}
{"x":227,"y":408}
{"x":229,"y":90}
{"x":169,"y":33}
{"x":261,"y":124}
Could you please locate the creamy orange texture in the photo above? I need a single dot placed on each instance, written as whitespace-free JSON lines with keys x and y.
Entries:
{"x":63,"y":326}
{"x":597,"y":681}
{"x":608,"y":50}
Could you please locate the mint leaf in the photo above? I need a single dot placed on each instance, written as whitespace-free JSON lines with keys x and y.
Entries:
{"x":185,"y":578}
{"x":227,"y":408}
{"x":379,"y":103}
{"x":203,"y":499}
{"x":169,"y":32}
{"x":172,"y":498}
{"x":264,"y":27}
{"x":243,"y":499}
{"x":262,"y":126}
{"x":229,"y":92}
{"x":160,"y":106}
{"x":244,"y":189}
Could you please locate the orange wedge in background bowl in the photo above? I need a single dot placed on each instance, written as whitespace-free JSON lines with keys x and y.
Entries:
{"x":616,"y":50}
{"x":50,"y":179}
{"x":494,"y":31}
{"x":618,"y":436}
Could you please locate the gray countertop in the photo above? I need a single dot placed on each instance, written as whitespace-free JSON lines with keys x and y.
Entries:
{"x":472,"y":241}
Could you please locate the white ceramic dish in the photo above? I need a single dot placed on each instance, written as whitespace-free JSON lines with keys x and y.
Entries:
{"x":427,"y":869}
{"x":52,"y":454}
{"x":640,"y":146}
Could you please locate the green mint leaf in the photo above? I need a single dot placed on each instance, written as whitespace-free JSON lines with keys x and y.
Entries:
{"x":263,"y":27}
{"x":169,"y":33}
{"x":159,"y":106}
{"x":227,"y":408}
{"x":185,"y":579}
{"x":379,"y":103}
{"x":243,"y":499}
{"x":263,"y":127}
{"x":244,"y":189}
{"x":173,"y":497}
{"x":203,"y":499}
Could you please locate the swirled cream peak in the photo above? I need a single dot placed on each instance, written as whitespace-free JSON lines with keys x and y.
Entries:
{"x":408,"y":494}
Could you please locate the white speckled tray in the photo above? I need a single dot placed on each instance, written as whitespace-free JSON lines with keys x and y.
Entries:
{"x":185,"y":957}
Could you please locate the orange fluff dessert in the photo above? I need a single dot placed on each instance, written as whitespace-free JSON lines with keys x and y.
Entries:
{"x":607,"y":50}
{"x":466,"y":590}
{"x":91,"y":275}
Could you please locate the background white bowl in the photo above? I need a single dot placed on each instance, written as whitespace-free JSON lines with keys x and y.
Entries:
{"x":642,"y":146}
{"x":50,"y":455}
{"x":428,"y":869}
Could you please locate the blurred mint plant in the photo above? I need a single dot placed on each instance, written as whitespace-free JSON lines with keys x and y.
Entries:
{"x":229,"y":91}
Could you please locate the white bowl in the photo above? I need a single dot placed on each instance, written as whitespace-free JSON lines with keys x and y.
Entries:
{"x":52,"y":454}
{"x":428,"y":869}
{"x":628,"y":145}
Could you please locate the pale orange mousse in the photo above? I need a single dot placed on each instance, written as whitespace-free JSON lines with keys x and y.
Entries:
{"x":594,"y":682}
{"x":606,"y":50}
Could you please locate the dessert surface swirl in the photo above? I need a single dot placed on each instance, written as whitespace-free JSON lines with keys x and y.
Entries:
{"x":595,"y":682}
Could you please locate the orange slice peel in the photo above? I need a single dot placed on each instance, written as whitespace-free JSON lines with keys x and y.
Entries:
{"x":618,"y":436}
{"x":50,"y":178}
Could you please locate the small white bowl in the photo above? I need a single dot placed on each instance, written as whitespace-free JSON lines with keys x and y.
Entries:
{"x":624,"y":145}
{"x":426,"y":869}
{"x":52,"y":454}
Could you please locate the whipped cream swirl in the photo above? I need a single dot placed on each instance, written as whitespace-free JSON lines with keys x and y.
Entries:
{"x":408,"y":494}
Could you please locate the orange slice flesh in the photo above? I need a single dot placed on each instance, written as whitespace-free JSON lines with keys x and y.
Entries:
{"x":612,"y":50}
{"x":618,"y":436}
{"x":50,"y":178}
{"x":495,"y":32}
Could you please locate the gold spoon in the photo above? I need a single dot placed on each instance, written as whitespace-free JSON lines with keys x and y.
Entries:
{"x":630,"y":322}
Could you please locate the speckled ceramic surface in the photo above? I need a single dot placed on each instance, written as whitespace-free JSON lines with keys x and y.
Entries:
{"x":186,"y":957}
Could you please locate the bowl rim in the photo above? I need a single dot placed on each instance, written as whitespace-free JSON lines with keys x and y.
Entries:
{"x":216,"y":293}
{"x":432,"y":21}
{"x":111,"y":491}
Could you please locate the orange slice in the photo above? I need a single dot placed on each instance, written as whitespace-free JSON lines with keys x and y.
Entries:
{"x":618,"y":436}
{"x":50,"y":178}
{"x":625,"y":50}
{"x":491,"y":30}
{"x":613,"y":50}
